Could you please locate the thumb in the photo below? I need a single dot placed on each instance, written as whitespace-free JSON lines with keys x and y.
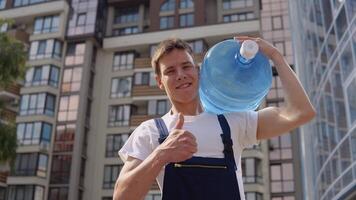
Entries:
{"x":180,"y":122}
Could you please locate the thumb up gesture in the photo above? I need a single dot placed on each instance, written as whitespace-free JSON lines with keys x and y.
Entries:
{"x":180,"y":145}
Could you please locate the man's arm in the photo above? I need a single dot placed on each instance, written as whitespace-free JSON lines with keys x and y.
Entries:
{"x":136,"y":176}
{"x":298,"y":110}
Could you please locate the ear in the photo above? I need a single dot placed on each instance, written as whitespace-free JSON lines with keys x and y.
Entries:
{"x":159,"y":82}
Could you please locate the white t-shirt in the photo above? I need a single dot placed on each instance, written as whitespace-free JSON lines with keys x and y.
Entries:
{"x":206,"y":129}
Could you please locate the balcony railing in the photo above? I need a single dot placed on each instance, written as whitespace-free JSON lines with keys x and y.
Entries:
{"x":146,"y":90}
{"x":3,"y":176}
{"x":7,"y":115}
{"x":13,"y":89}
{"x":142,"y":63}
{"x":138,"y":119}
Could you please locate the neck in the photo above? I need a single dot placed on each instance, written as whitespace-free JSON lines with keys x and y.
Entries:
{"x":191,"y":108}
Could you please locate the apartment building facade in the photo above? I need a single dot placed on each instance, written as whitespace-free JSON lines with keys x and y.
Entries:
{"x":89,"y":84}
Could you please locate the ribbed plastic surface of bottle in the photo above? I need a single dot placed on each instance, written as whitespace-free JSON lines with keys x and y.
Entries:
{"x":234,"y":77}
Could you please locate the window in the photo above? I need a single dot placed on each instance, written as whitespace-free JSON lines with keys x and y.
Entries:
{"x":68,"y":108}
{"x":166,"y":22}
{"x":239,"y":17}
{"x":197,"y":46}
{"x":121,"y":87}
{"x":64,"y":139}
{"x":25,"y":192}
{"x":123,"y":61}
{"x":186,"y":20}
{"x":27,"y":2}
{"x":119,"y":115}
{"x":42,"y":75}
{"x":81,"y":19}
{"x":352,"y":100}
{"x":253,"y":196}
{"x":232,"y":4}
{"x":168,"y":5}
{"x":186,"y":4}
{"x":39,"y":103}
{"x":30,"y":164}
{"x":58,"y":193}
{"x":114,"y":144}
{"x":60,"y":172}
{"x":2,"y":6}
{"x":125,"y":31}
{"x":282,"y":179}
{"x":158,"y":107}
{"x":34,"y":133}
{"x":277,"y":22}
{"x":346,"y":61}
{"x":162,"y":107}
{"x":4,"y":27}
{"x":280,"y":147}
{"x":144,"y":78}
{"x":48,"y":24}
{"x":111,"y":172}
{"x":45,"y":49}
{"x":72,"y":78}
{"x":276,"y":92}
{"x":153,"y":197}
{"x":75,"y":54}
{"x":280,"y":46}
{"x":251,"y":170}
{"x":127,"y":15}
{"x":2,"y":193}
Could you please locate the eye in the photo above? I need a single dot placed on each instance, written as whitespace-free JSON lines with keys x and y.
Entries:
{"x":187,"y":66}
{"x":170,"y":71}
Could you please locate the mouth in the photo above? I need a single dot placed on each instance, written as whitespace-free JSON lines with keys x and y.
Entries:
{"x":183,"y":86}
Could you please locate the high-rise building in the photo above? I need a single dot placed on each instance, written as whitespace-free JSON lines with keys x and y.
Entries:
{"x":89,"y":84}
{"x":324,"y":36}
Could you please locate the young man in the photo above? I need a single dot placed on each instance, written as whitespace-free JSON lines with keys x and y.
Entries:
{"x":194,"y":136}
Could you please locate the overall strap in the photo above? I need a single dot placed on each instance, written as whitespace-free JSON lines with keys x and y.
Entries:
{"x":226,"y":139}
{"x":162,"y":129}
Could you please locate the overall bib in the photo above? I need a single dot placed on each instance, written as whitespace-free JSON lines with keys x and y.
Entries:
{"x":201,"y":178}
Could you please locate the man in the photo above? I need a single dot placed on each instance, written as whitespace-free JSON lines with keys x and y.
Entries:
{"x":194,"y":136}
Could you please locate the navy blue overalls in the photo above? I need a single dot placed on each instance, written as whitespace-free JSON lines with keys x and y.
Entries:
{"x":202,"y":178}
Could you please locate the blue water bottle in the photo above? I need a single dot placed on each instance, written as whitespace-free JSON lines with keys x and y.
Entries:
{"x":234,"y":77}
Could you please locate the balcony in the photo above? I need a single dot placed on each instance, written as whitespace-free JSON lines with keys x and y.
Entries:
{"x":138,"y":119}
{"x":7,"y":115}
{"x":142,"y":63}
{"x":10,"y":92}
{"x":146,"y":90}
{"x":20,"y":35}
{"x":3,"y":176}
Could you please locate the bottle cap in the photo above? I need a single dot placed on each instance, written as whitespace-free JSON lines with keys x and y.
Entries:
{"x":249,"y":49}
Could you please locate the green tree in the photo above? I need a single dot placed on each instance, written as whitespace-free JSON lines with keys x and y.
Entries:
{"x":12,"y":68}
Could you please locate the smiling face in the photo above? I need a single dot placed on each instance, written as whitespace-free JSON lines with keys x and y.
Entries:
{"x":179,"y":77}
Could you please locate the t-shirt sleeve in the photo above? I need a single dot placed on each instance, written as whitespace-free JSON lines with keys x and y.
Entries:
{"x":138,"y":145}
{"x":248,"y":134}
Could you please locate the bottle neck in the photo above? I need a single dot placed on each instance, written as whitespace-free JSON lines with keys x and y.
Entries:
{"x":243,"y":62}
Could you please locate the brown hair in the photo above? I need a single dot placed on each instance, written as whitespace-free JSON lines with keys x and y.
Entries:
{"x":165,"y":47}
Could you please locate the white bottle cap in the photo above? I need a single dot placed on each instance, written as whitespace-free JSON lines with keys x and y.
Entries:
{"x":249,"y":49}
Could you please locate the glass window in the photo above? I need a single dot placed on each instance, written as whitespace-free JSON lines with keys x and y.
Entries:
{"x":162,"y":107}
{"x":34,"y":133}
{"x":45,"y":49}
{"x":64,"y":139}
{"x":197,"y":46}
{"x":72,"y":79}
{"x":253,"y":196}
{"x":42,"y":75}
{"x":251,"y":170}
{"x":41,"y":103}
{"x":127,"y":15}
{"x":119,"y":115}
{"x":168,"y":5}
{"x":123,"y":60}
{"x":2,"y":6}
{"x":121,"y":87}
{"x":111,"y":172}
{"x":142,"y":78}
{"x":125,"y":31}
{"x":277,"y":22}
{"x":186,"y":4}
{"x":60,"y":172}
{"x":114,"y":144}
{"x":58,"y":193}
{"x":351,"y":95}
{"x":166,"y":22}
{"x":81,"y":19}
{"x":341,"y":23}
{"x":346,"y":61}
{"x":27,"y":2}
{"x":75,"y":54}
{"x":232,"y":4}
{"x":186,"y":20}
{"x":282,"y":178}
{"x":326,"y":7}
{"x":68,"y":108}
{"x":30,"y":164}
{"x":25,"y":192}
{"x":351,"y":9}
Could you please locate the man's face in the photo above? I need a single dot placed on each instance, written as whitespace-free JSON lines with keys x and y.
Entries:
{"x":179,"y":76}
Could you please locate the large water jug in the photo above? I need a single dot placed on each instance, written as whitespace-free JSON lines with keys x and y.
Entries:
{"x":234,"y":77}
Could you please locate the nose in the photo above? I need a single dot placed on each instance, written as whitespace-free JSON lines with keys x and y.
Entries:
{"x":181,"y":75}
